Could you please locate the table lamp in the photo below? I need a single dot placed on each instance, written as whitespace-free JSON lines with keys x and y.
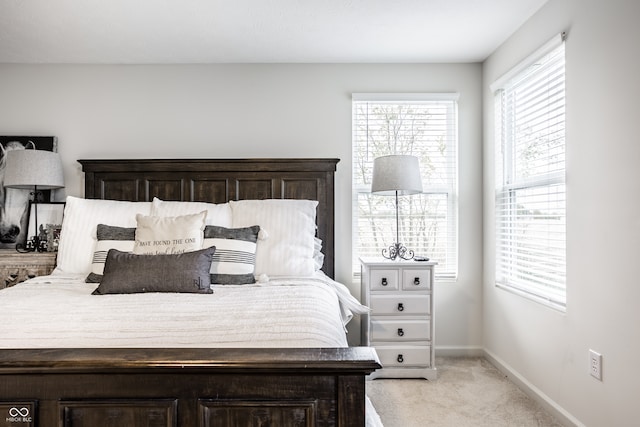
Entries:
{"x":397,"y":175}
{"x":34,"y":170}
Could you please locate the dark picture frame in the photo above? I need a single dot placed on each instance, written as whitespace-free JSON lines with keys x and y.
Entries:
{"x":14,"y":203}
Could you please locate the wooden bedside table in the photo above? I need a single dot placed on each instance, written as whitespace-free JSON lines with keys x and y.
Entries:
{"x":401,"y":324}
{"x":16,"y":267}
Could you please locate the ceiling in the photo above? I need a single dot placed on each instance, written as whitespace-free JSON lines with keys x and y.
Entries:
{"x":256,"y":31}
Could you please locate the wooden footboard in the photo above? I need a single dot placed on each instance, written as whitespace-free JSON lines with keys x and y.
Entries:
{"x":184,"y":387}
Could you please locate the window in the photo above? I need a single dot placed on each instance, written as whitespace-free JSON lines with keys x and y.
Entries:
{"x":423,"y":125}
{"x":530,"y":194}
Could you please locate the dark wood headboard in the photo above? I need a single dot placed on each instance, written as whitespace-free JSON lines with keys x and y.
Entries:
{"x":218,"y":181}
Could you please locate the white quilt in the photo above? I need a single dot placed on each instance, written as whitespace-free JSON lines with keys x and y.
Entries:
{"x":58,"y":311}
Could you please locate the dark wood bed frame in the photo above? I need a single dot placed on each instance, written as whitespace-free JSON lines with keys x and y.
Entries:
{"x":194,"y":387}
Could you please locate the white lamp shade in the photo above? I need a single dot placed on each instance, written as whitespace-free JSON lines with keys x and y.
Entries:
{"x":399,"y":173}
{"x":27,"y":169}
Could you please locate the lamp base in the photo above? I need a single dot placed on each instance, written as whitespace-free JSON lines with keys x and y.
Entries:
{"x":397,"y":250}
{"x":33,"y":244}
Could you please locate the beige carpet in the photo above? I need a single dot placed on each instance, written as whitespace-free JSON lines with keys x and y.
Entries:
{"x":468,"y":392}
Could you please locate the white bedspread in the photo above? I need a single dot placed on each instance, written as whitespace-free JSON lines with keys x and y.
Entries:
{"x":58,"y":311}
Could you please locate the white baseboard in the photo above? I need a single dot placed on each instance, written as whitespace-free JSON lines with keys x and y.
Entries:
{"x":564,"y":417}
{"x":459,"y":351}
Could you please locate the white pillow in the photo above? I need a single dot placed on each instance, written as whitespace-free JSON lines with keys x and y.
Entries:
{"x":318,"y":256}
{"x":79,"y":223}
{"x":290,"y":226}
{"x":217,"y":213}
{"x":170,"y":234}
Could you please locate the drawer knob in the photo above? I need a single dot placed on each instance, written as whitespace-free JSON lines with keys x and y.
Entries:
{"x":400,"y":332}
{"x":400,"y":306}
{"x":416,"y":281}
{"x":384,"y":281}
{"x":400,"y":359}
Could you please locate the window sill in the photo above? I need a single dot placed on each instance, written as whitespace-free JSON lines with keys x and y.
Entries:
{"x":558,"y":306}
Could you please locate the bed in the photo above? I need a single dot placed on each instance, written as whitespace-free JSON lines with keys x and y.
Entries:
{"x":101,"y":369}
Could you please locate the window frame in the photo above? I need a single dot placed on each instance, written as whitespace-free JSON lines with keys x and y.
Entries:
{"x":508,"y":185}
{"x":448,"y":190}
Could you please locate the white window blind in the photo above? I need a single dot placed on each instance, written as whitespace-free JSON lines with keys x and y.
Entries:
{"x":423,"y":125}
{"x":530,"y":198}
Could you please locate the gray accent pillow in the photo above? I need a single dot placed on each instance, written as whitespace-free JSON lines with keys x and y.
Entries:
{"x":109,"y":237}
{"x":127,"y":273}
{"x":235,"y":258}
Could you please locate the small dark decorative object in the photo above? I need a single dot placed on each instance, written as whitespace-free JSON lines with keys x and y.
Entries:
{"x":53,"y":237}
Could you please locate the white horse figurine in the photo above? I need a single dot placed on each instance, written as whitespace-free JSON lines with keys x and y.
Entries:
{"x":14,"y":202}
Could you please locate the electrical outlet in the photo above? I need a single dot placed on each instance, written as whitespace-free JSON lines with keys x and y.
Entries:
{"x":595,"y":364}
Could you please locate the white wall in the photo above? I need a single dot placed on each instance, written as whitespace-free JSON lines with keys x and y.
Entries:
{"x":548,"y":349}
{"x":218,"y":111}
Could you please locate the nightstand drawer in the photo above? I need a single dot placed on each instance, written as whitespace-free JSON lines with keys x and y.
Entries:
{"x":416,"y":280}
{"x":400,"y":330}
{"x":396,"y":304}
{"x":384,"y":280}
{"x":399,"y":356}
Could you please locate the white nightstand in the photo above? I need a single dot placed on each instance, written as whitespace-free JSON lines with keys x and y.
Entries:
{"x":401,"y":323}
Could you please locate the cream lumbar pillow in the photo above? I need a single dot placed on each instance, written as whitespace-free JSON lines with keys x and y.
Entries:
{"x":169,"y":235}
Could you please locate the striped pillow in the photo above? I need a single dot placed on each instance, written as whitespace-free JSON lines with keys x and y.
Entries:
{"x":235,"y":256}
{"x":109,"y":237}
